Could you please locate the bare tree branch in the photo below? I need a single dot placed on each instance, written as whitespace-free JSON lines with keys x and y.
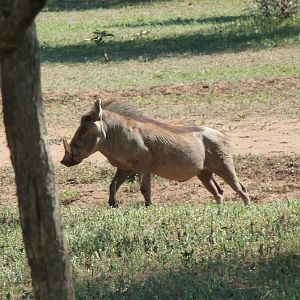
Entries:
{"x":17,"y":16}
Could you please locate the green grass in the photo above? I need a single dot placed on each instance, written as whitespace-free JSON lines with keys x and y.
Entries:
{"x":186,"y":69}
{"x":187,"y":252}
{"x":208,"y":41}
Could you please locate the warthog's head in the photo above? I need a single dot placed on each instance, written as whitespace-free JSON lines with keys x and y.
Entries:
{"x":86,"y":138}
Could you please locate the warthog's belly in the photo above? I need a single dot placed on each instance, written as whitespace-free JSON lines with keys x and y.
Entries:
{"x":174,"y":174}
{"x":180,"y":160}
{"x":178,"y":168}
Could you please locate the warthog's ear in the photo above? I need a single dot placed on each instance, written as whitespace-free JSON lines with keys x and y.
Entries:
{"x":97,"y":110}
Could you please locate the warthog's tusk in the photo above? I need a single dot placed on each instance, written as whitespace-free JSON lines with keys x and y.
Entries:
{"x":67,"y":147}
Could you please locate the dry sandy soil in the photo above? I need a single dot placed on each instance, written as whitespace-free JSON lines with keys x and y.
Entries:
{"x":265,"y":137}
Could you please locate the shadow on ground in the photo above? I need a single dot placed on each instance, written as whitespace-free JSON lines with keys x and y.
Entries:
{"x":187,"y":21}
{"x":274,"y":279}
{"x":232,"y":38}
{"x":57,"y":5}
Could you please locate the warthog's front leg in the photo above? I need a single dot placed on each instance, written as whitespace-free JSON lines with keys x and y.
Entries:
{"x":119,"y":178}
{"x":146,"y":188}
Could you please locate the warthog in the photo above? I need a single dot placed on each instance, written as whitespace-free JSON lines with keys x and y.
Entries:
{"x":137,"y":144}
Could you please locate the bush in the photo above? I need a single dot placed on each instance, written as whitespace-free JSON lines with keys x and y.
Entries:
{"x":277,"y":8}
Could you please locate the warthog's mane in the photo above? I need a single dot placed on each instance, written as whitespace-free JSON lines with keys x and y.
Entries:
{"x":131,"y":112}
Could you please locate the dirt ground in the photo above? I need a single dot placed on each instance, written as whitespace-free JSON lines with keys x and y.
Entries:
{"x":266,"y":142}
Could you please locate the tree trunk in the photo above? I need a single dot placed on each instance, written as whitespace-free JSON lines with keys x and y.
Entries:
{"x":37,"y":194}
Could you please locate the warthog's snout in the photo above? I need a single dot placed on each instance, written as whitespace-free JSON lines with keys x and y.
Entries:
{"x":68,"y":160}
{"x":68,"y":163}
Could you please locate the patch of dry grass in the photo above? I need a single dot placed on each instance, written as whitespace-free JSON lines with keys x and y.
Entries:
{"x":267,"y":177}
{"x":199,"y":101}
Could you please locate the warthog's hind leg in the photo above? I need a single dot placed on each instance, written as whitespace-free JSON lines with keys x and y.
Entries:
{"x":118,"y":179}
{"x":220,"y":191}
{"x":211,"y":185}
{"x":230,"y":177}
{"x":240,"y":189}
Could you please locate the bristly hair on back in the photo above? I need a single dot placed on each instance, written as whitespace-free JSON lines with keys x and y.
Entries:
{"x":131,"y":112}
{"x":124,"y":109}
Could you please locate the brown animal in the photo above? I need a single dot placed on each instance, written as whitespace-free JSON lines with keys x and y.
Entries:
{"x":137,"y":144}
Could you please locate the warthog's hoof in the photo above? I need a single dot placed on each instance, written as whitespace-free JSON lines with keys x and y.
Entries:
{"x":247,"y":203}
{"x":113,"y":204}
{"x":219,"y":199}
